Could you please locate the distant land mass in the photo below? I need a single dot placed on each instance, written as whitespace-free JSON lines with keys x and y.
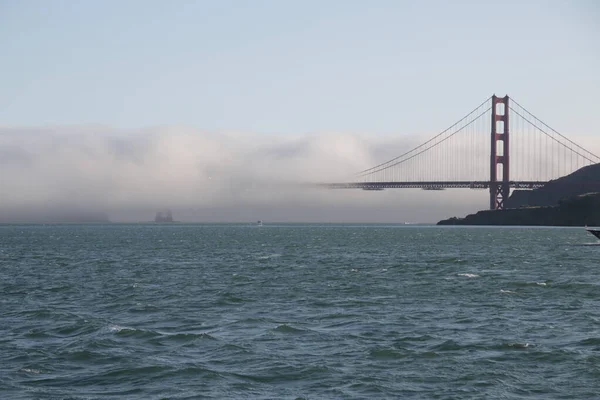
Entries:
{"x":573,"y":200}
{"x":582,"y":181}
{"x":164,"y":216}
{"x":572,"y":211}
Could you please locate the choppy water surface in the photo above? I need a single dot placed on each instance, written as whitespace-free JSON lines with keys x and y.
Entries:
{"x":298,"y":311}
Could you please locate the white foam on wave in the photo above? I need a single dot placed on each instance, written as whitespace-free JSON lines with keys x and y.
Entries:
{"x":30,"y":370}
{"x":541,"y":283}
{"x":117,"y":328}
{"x":267,"y":257}
{"x":520,"y":345}
{"x":469,"y":275}
{"x":506,"y":291}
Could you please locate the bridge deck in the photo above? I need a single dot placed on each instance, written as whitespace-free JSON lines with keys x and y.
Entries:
{"x":431,"y":185}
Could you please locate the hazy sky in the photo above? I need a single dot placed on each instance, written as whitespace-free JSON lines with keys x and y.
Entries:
{"x":249,"y":77}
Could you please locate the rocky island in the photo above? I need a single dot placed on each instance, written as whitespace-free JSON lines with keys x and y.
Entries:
{"x":167,"y":216}
{"x":573,"y":200}
{"x":164,"y":217}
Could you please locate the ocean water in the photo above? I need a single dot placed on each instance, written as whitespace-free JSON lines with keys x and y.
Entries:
{"x":298,"y":312}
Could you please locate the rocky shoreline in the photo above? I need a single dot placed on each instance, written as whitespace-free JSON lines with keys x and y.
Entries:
{"x":573,"y":211}
{"x":573,"y":200}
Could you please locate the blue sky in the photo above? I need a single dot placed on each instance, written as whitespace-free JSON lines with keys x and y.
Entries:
{"x":279,"y":67}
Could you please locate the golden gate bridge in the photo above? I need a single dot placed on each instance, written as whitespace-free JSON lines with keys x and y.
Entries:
{"x":519,"y":151}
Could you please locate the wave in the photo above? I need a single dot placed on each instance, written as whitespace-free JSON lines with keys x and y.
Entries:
{"x":577,"y":285}
{"x":188,"y":337}
{"x":530,"y":283}
{"x":386,"y":353}
{"x":242,"y":278}
{"x":229,"y":299}
{"x":125,"y":331}
{"x":34,"y":371}
{"x":449,"y":260}
{"x":269,"y":256}
{"x":281,"y":373}
{"x":467,"y":275}
{"x":132,"y":374}
{"x":285,"y":328}
{"x":452,"y":345}
{"x":398,"y":342}
{"x":593,"y":341}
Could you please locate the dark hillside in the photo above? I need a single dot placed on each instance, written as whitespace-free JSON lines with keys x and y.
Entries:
{"x":584,"y":180}
{"x":573,"y":211}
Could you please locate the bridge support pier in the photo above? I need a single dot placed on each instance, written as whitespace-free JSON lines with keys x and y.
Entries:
{"x":499,"y":155}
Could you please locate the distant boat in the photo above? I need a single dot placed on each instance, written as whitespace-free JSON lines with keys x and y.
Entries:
{"x":259,"y":223}
{"x":595,"y":232}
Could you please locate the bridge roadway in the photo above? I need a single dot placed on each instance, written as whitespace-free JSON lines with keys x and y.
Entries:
{"x":431,"y":185}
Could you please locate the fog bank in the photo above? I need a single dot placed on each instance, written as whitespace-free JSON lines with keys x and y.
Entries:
{"x":206,"y":177}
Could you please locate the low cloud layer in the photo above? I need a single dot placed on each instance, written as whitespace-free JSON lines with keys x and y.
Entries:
{"x":207,"y":177}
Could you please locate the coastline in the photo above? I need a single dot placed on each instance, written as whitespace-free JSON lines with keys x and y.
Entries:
{"x":579,"y":210}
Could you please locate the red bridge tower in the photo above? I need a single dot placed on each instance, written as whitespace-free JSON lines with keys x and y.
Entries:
{"x":499,"y":155}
